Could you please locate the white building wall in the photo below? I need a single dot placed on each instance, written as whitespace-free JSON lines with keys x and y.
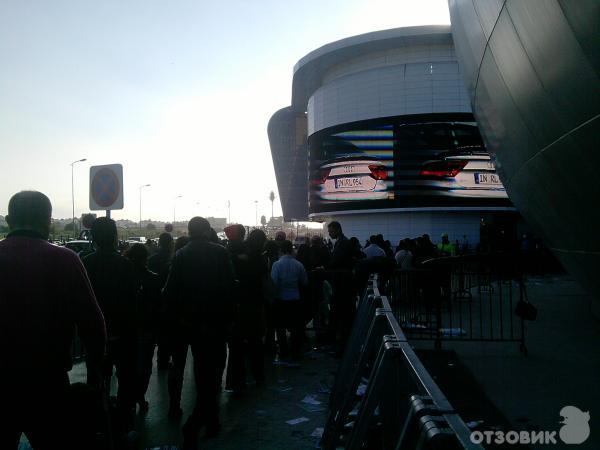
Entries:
{"x":423,"y":80}
{"x":399,"y":225}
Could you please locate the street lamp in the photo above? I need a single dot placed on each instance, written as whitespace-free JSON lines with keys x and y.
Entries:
{"x":140,"y":188}
{"x":73,"y":191}
{"x":174,"y":206}
{"x":256,"y":213}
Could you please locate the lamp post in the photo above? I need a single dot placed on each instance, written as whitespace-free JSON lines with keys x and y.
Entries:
{"x":73,"y":191}
{"x":174,"y":206}
{"x":228,"y":212}
{"x":140,"y":188}
{"x":256,"y":213}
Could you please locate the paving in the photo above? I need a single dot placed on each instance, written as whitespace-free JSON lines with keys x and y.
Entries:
{"x":255,"y":421}
{"x":562,"y":366}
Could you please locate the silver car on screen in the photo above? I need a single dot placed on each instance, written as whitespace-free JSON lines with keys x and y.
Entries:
{"x":353,"y":178}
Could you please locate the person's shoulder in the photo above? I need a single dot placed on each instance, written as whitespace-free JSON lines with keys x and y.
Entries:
{"x":62,"y":253}
{"x":219,"y":249}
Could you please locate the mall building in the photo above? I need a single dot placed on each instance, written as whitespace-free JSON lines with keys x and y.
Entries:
{"x":380,"y":136}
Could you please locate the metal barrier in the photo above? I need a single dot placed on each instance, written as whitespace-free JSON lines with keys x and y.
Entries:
{"x":462,"y":298}
{"x":383,"y":396}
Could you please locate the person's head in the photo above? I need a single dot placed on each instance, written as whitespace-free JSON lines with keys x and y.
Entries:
{"x":286,"y":247}
{"x":137,"y":254}
{"x":316,"y":241}
{"x":372,"y":239}
{"x":445,"y":238}
{"x":235,"y":232}
{"x":165,"y":242}
{"x":256,"y":240}
{"x":104,"y":233}
{"x":181,"y":242}
{"x":30,"y":210}
{"x":199,"y":228}
{"x":355,"y":242}
{"x":335,"y":229}
{"x":280,"y":236}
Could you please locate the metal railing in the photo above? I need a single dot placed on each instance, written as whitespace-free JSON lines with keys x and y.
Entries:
{"x":463,"y":298}
{"x":383,"y":396}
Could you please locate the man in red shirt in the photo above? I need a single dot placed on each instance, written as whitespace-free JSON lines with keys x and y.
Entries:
{"x":44,"y":294}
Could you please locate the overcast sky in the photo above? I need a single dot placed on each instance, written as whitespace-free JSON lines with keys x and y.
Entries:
{"x":178,"y":92}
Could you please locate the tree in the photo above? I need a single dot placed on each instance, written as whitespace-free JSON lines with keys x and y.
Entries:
{"x":263,"y":220}
{"x":150,"y":226}
{"x":69,"y":227}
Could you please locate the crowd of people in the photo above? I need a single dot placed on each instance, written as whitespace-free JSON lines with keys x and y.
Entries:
{"x":234,"y":303}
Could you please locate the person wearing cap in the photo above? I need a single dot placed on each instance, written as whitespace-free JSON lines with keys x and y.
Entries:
{"x":446,"y":248}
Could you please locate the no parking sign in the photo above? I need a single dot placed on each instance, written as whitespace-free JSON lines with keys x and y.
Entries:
{"x":106,"y":187}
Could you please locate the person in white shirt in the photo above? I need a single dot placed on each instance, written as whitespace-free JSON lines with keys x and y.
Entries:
{"x":403,"y":255}
{"x":373,"y":250}
{"x":288,"y":275}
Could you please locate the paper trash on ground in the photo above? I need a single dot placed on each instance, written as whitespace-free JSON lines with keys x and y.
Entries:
{"x":312,"y":408}
{"x":297,"y":421}
{"x":317,"y":433}
{"x":362,"y":389}
{"x":310,"y":400}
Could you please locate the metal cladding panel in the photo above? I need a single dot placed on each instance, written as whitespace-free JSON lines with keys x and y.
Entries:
{"x":535,"y":90}
{"x":287,"y":138}
{"x":391,"y":90}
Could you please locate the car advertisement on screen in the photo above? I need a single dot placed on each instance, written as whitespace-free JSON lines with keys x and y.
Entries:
{"x":425,"y":161}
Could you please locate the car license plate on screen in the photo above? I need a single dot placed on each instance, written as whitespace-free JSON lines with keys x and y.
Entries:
{"x":348,"y":183}
{"x":487,"y":178}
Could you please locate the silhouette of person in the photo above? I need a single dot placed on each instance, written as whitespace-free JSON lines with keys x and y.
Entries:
{"x":199,"y":292}
{"x":147,"y":316}
{"x":112,"y":277}
{"x":179,"y":344}
{"x":160,"y":263}
{"x":44,"y":294}
{"x":343,"y":303}
{"x":251,"y":269}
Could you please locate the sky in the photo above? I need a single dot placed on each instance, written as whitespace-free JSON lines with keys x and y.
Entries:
{"x":178,"y":92}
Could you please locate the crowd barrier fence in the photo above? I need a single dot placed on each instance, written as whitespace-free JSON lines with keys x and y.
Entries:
{"x":383,"y":397}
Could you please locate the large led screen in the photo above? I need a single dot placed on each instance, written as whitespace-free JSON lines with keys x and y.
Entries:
{"x":406,"y":162}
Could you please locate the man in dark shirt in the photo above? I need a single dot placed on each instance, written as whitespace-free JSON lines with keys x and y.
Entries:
{"x":44,"y":294}
{"x":112,"y":277}
{"x":199,"y":292}
{"x":343,"y":302}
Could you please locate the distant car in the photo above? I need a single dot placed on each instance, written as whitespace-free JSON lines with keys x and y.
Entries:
{"x":79,"y":245}
{"x":352,"y":178}
{"x":137,"y":239}
{"x":463,"y":175}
